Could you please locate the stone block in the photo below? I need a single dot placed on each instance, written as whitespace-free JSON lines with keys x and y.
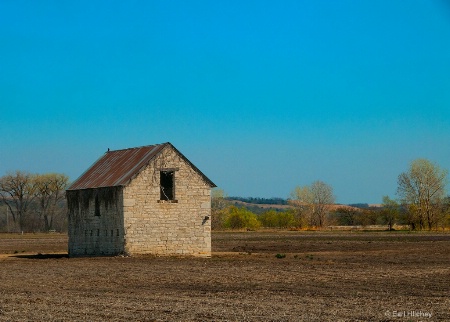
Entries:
{"x":129,"y":202}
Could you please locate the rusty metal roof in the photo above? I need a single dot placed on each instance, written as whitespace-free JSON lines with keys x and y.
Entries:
{"x":118,"y":168}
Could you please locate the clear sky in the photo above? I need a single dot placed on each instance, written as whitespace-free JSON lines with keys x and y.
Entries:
{"x":261,"y":95}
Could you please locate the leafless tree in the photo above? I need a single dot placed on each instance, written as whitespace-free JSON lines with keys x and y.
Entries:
{"x":313,"y":201}
{"x":422,"y":190}
{"x":17,"y":192}
{"x":50,"y":191}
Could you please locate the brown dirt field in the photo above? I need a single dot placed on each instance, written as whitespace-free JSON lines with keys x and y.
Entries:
{"x":325,"y":276}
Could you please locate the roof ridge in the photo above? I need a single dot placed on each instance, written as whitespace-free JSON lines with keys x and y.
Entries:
{"x":139,"y":147}
{"x":122,"y":166}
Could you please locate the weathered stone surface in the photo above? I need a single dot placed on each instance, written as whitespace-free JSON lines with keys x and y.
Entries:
{"x":129,"y":202}
{"x":138,"y":222}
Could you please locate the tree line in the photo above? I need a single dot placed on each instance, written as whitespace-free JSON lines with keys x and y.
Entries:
{"x":422,"y":203}
{"x":260,"y":201}
{"x":36,"y":202}
{"x":33,"y":202}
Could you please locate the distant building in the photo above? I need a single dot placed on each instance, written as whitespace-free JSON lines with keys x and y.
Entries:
{"x":145,"y":200}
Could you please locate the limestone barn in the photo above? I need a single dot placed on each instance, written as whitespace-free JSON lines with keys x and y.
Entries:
{"x":145,"y":200}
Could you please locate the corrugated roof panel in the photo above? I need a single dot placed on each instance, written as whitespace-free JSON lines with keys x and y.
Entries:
{"x":117,"y":168}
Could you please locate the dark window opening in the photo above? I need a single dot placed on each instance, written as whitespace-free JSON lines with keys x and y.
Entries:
{"x":97,"y":206}
{"x":167,"y":185}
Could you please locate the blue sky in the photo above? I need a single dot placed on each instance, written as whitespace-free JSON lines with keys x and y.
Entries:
{"x":261,"y":95}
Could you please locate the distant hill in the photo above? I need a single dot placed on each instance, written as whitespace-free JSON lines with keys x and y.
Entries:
{"x":359,"y":205}
{"x":260,"y":201}
{"x":257,"y":206}
{"x":260,"y":205}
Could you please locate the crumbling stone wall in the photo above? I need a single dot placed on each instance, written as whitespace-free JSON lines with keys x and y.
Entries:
{"x":95,"y":221}
{"x":178,"y":227}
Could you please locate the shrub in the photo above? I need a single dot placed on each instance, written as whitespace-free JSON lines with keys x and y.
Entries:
{"x":272,"y":218}
{"x":286,"y":219}
{"x":238,"y":218}
{"x":269,"y":218}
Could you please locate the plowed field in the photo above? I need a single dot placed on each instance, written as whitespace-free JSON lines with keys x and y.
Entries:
{"x":252,"y":276}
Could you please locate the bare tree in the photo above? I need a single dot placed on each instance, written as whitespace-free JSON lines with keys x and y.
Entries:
{"x":300,"y":199}
{"x":422,"y":190}
{"x":313,"y":201}
{"x":17,"y":192}
{"x":50,"y":191}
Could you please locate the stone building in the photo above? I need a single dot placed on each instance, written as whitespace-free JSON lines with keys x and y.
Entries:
{"x":145,"y":200}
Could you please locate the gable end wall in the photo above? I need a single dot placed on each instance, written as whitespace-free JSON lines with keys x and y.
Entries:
{"x":152,"y":226}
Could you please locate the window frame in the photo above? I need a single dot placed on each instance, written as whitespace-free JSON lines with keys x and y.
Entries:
{"x":164,"y":175}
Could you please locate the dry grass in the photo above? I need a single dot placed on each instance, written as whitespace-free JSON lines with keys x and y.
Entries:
{"x":325,"y":276}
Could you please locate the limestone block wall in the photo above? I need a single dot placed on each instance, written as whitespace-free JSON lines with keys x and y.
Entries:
{"x":96,"y":222}
{"x":179,"y":227}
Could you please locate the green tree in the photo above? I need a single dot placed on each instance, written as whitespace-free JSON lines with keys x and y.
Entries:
{"x":422,"y":190}
{"x":218,"y":205}
{"x":277,"y":219}
{"x":390,"y":211}
{"x":446,"y":210}
{"x":269,"y":218}
{"x":286,"y":219}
